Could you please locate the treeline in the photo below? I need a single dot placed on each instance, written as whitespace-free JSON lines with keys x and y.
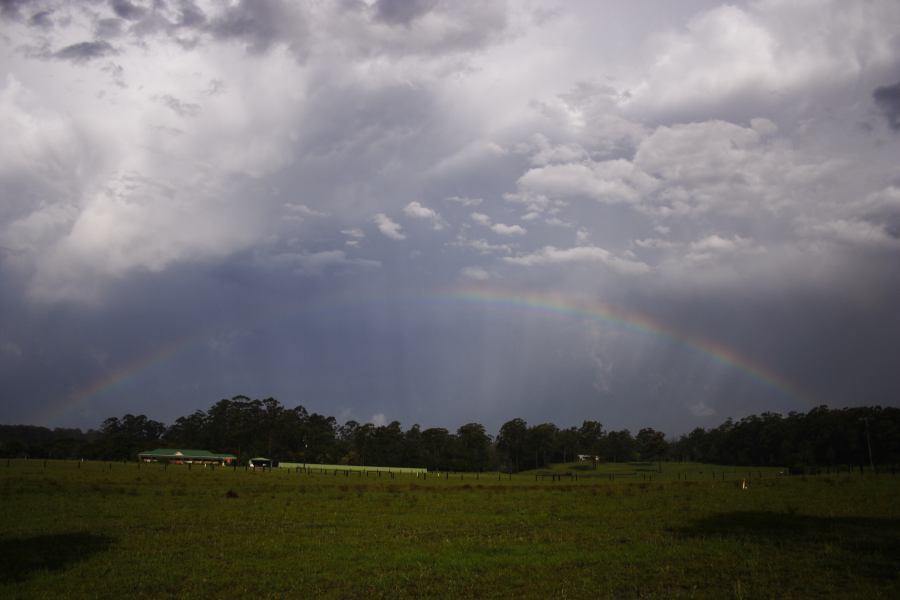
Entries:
{"x":252,"y":427}
{"x":822,"y":437}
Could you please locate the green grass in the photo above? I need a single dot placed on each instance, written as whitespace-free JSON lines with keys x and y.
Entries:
{"x":330,"y":469}
{"x":653,"y":471}
{"x":113,"y":531}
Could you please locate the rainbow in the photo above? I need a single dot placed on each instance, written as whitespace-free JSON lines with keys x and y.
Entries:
{"x":545,"y":303}
{"x":119,"y":375}
{"x":600,"y":311}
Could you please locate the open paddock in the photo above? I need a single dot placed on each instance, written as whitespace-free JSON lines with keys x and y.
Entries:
{"x":95,"y":530}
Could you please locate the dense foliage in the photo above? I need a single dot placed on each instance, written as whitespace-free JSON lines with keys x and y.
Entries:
{"x":252,"y":427}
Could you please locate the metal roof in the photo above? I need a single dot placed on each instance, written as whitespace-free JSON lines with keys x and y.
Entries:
{"x":184,"y":453}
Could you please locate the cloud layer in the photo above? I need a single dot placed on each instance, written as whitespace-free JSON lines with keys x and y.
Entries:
{"x":306,"y":188}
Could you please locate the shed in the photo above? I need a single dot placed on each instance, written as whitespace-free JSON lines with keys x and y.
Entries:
{"x":180,"y":456}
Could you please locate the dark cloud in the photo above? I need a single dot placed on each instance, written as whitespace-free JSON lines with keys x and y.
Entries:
{"x":41,"y":19}
{"x":305,"y":237}
{"x":402,"y":11}
{"x":109,"y":28}
{"x":11,"y":9}
{"x":260,"y":24}
{"x":190,"y":14}
{"x":85,"y":51}
{"x":127,"y":10}
{"x":888,"y":100}
{"x":181,"y":108}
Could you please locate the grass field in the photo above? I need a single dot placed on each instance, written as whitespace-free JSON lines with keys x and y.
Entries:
{"x":118,"y":530}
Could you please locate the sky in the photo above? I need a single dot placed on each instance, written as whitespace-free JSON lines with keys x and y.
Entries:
{"x":649,"y":214}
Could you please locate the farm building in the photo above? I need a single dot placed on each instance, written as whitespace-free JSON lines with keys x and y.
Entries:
{"x":183,"y":456}
{"x":260,"y":463}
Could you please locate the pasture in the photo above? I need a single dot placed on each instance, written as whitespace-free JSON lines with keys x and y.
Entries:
{"x":113,"y":530}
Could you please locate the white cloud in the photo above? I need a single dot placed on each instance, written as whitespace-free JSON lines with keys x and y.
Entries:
{"x":302,"y":210}
{"x":550,"y":255}
{"x":501,"y":229}
{"x":475,"y":273}
{"x":388,"y":227}
{"x":415,"y":210}
{"x":610,"y":182}
{"x":582,"y":236}
{"x":716,"y":245}
{"x":355,"y":234}
{"x":312,"y":263}
{"x":655,"y":243}
{"x":378,"y":420}
{"x":688,"y":169}
{"x":701,"y":409}
{"x":757,"y":53}
{"x":498,"y":228}
{"x":481,"y":246}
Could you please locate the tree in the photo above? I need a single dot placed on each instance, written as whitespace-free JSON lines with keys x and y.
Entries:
{"x":540,"y":441}
{"x":591,"y":439}
{"x":620,"y":445}
{"x":436,"y":448}
{"x":473,"y":447}
{"x":511,"y":442}
{"x":651,"y":444}
{"x":568,"y":444}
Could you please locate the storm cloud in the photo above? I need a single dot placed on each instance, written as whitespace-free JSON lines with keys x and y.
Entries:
{"x":888,"y":100}
{"x":443,"y":212}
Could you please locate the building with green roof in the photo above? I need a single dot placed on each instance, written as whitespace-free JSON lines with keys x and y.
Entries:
{"x":186,"y":456}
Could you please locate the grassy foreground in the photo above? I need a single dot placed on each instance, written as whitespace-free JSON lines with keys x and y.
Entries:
{"x":113,"y":531}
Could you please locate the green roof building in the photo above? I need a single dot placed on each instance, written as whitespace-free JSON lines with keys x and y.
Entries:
{"x":186,"y":456}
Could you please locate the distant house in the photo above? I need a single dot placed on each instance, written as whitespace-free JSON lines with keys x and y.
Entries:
{"x":260,"y":463}
{"x":183,"y":456}
{"x":588,"y":457}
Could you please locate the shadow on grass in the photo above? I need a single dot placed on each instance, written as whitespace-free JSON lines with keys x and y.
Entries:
{"x":20,"y":558}
{"x":867,"y":545}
